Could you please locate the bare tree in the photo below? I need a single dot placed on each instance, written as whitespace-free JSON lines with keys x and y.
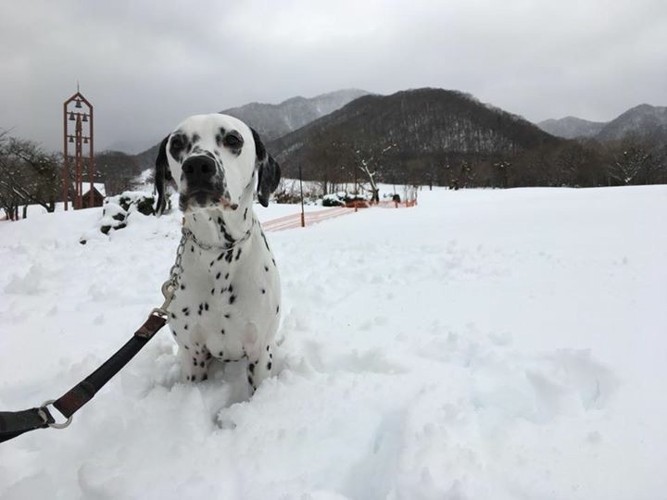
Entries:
{"x":632,"y":163}
{"x":28,"y":176}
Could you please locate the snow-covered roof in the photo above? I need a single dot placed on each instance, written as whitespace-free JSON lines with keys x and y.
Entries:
{"x":99,"y":186}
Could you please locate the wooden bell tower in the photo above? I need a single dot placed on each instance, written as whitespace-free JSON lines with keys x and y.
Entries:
{"x":77,"y":137}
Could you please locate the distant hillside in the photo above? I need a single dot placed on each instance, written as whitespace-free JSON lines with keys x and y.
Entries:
{"x":407,"y":134}
{"x":275,"y":120}
{"x":643,"y":121}
{"x":571,"y":127}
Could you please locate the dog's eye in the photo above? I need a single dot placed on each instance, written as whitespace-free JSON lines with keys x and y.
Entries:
{"x":233,"y":140}
{"x":177,"y":144}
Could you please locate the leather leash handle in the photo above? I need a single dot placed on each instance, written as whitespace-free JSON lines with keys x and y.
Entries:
{"x":70,"y":402}
{"x":13,"y":424}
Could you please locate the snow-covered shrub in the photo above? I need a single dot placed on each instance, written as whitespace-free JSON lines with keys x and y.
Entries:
{"x":341,"y":199}
{"x":117,"y":209}
{"x":334,"y":200}
{"x":289,"y":191}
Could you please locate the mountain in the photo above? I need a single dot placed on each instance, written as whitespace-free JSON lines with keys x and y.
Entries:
{"x":643,"y":121}
{"x":571,"y":127}
{"x":405,"y":133}
{"x":274,"y":120}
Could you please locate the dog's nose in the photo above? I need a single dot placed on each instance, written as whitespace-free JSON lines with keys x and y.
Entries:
{"x":199,"y":169}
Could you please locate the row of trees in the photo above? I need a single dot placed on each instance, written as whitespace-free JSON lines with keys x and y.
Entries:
{"x":569,"y":163}
{"x":29,"y":175}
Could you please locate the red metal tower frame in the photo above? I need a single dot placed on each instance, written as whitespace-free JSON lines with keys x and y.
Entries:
{"x":77,"y":115}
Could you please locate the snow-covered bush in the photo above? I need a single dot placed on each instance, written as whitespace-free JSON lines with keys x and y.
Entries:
{"x":117,"y":209}
{"x":341,"y":199}
{"x":289,"y":191}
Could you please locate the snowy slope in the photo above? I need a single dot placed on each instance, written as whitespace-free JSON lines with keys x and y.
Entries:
{"x":483,"y":345}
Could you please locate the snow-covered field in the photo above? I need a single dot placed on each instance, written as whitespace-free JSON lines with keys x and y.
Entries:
{"x":483,"y":345}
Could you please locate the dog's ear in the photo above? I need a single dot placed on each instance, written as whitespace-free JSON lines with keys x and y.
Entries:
{"x":162,"y":176}
{"x":268,"y":171}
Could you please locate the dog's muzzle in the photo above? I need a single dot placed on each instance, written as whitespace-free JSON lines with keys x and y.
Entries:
{"x":199,"y":172}
{"x":205,"y":183}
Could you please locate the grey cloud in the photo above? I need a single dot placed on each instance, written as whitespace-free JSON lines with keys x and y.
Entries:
{"x":146,"y":65}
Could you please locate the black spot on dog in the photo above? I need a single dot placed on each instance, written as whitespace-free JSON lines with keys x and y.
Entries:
{"x":201,"y":364}
{"x":222,"y":331}
{"x":232,"y":298}
{"x":263,"y":290}
{"x":187,"y":347}
{"x":251,"y":367}
{"x":186,"y":311}
{"x":173,"y":316}
{"x":204,"y":377}
{"x":266,"y":243}
{"x":220,"y":136}
{"x":238,"y":254}
{"x":266,"y":268}
{"x":220,"y":354}
{"x":268,"y":365}
{"x":228,"y":315}
{"x":186,"y":327}
{"x":217,"y":276}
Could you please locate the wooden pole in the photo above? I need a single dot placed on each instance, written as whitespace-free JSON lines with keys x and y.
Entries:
{"x":303,"y":215}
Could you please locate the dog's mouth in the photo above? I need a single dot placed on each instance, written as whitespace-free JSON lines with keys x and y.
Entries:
{"x":227,"y":204}
{"x":203,"y":198}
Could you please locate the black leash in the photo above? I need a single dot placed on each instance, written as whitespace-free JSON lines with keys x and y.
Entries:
{"x":13,"y":424}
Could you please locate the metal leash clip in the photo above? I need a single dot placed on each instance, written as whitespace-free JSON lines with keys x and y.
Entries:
{"x":44,"y":413}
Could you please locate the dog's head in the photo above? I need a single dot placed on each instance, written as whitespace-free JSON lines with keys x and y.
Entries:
{"x":213,"y":160}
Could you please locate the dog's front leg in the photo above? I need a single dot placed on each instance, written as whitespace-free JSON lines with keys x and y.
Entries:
{"x":194,"y":363}
{"x":260,"y":367}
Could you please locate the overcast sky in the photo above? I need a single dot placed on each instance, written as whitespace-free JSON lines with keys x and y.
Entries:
{"x":146,"y":65}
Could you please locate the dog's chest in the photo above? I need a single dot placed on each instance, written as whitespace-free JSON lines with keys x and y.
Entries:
{"x":226,"y":300}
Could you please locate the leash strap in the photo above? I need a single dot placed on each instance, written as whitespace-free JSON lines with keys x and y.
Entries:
{"x":13,"y":424}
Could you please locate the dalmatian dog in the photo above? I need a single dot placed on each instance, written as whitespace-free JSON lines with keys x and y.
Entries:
{"x":227,"y":302}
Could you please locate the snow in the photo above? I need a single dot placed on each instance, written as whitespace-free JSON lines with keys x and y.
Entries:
{"x":484,"y":344}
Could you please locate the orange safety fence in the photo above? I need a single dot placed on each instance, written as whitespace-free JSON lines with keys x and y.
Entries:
{"x":397,"y":204}
{"x":294,"y":220}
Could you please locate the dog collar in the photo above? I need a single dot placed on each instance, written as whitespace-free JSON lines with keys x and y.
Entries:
{"x":225,"y":245}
